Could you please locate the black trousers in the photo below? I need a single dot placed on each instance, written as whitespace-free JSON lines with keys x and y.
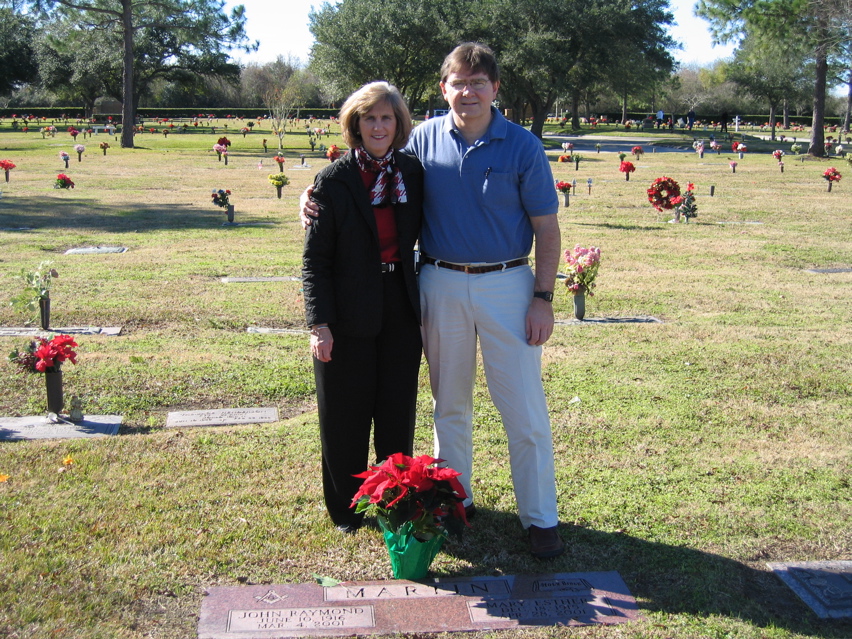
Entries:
{"x":369,"y":381}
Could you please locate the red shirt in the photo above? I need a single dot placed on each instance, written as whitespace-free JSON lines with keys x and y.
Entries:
{"x":386,"y":224}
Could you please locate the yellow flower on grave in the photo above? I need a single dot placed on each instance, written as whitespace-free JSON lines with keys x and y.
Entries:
{"x":4,"y":478}
{"x":68,"y":461}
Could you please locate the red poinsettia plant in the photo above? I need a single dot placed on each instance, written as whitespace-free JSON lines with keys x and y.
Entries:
{"x":413,"y":489}
{"x":563,"y":186}
{"x":63,"y":182}
{"x":627,"y":168}
{"x":43,"y":356}
{"x":7,"y":165}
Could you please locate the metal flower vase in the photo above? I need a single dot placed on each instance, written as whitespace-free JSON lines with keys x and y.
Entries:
{"x":44,"y":312}
{"x":580,"y":305}
{"x":230,"y":213}
{"x":55,"y":401}
{"x":410,"y":557}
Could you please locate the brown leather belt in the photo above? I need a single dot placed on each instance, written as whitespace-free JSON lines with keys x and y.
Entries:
{"x":475,"y":270}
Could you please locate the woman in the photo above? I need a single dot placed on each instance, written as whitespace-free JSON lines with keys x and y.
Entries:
{"x":361,"y":298}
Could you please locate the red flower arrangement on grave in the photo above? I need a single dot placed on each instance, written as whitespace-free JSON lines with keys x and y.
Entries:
{"x":778,"y":154}
{"x":627,"y":168}
{"x":333,"y":153}
{"x":564,"y":158}
{"x":638,"y":151}
{"x":412,"y":490}
{"x":7,"y":165}
{"x":663,"y":192}
{"x":63,"y":182}
{"x":43,"y":356}
{"x":563,"y":187}
{"x":832,"y":175}
{"x":221,"y":197}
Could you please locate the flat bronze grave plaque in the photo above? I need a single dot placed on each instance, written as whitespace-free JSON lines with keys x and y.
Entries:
{"x":16,"y":428}
{"x":221,"y":417}
{"x":639,"y":319}
{"x":36,"y":331}
{"x":825,"y":586}
{"x":94,"y":250}
{"x":432,"y":605}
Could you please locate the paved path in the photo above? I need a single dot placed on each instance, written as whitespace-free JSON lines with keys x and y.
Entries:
{"x":586,"y":144}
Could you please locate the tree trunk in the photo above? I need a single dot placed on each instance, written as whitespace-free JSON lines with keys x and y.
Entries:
{"x":128,"y":115}
{"x":817,"y":147}
{"x":575,"y":110}
{"x":848,"y":105}
{"x":624,"y":108}
{"x":786,"y":114}
{"x":539,"y":116}
{"x":772,"y":121}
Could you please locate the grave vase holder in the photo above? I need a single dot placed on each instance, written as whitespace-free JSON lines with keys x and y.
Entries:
{"x":230,"y":212}
{"x":44,"y":312}
{"x":7,"y":175}
{"x":278,"y":189}
{"x":410,"y":558}
{"x":566,"y":199}
{"x":580,"y":305}
{"x":53,"y":382}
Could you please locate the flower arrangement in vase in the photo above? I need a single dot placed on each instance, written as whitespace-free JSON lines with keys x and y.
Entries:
{"x":333,"y":153}
{"x":627,"y":168}
{"x":64,"y":157}
{"x":104,"y":146}
{"x":220,"y":149}
{"x":279,"y":158}
{"x":637,"y":152}
{"x":47,"y":356}
{"x":565,"y":189}
{"x":279,"y":180}
{"x":7,"y":165}
{"x":685,"y":205}
{"x":63,"y":182}
{"x":832,"y":175}
{"x":582,"y":269}
{"x":79,"y":149}
{"x":716,"y":147}
{"x":36,"y":293}
{"x":417,"y":505}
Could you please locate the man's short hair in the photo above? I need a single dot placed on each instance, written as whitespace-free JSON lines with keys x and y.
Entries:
{"x":359,"y":104}
{"x":471,"y":57}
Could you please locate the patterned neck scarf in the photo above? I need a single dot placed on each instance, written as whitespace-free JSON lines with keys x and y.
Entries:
{"x":388,"y":187}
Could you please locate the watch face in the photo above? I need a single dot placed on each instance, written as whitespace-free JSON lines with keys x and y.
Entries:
{"x":545,"y":295}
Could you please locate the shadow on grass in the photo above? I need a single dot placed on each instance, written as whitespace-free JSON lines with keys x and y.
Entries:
{"x":663,"y":578}
{"x":35,"y":214}
{"x":620,"y":227}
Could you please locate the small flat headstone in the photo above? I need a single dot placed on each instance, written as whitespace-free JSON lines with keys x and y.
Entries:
{"x":275,"y":331}
{"x":91,"y":250}
{"x":739,"y":222}
{"x":431,"y":605}
{"x":20,"y":228}
{"x":639,"y":319}
{"x":235,"y":280}
{"x":14,"y":428}
{"x":829,"y":270}
{"x":825,"y":586}
{"x":221,"y":417}
{"x":35,"y":331}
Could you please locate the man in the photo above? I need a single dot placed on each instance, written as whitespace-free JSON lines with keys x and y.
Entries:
{"x":660,"y":116}
{"x":488,"y":193}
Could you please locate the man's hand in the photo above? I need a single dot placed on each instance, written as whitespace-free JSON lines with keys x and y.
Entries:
{"x":539,"y":322}
{"x":321,"y":343}
{"x":308,"y":209}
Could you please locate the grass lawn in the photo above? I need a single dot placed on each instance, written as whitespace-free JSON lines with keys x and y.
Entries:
{"x":689,"y":452}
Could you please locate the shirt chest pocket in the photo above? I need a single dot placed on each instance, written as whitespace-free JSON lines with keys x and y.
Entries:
{"x":500,"y":189}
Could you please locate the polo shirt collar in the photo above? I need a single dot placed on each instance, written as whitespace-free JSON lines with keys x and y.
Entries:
{"x":496,"y":129}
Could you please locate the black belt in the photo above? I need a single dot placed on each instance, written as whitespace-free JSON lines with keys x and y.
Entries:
{"x":390,"y":267}
{"x":475,"y":270}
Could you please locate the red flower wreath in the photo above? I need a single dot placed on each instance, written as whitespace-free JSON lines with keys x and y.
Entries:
{"x":663,"y":192}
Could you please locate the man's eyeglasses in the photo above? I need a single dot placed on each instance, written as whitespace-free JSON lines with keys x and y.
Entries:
{"x":476,"y":84}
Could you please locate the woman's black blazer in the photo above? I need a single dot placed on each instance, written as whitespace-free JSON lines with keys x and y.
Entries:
{"x":341,"y":265}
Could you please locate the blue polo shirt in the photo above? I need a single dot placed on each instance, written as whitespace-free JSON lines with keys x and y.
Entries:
{"x":479,"y":198}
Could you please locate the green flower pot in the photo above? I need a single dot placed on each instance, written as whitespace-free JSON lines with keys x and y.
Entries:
{"x":410,"y":557}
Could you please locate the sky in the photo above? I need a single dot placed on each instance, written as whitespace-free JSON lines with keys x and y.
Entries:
{"x":281,"y":26}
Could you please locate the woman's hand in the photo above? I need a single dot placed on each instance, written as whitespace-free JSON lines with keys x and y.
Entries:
{"x":308,"y":209}
{"x":321,"y":343}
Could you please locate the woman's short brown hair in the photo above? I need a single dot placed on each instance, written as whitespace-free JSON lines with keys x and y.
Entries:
{"x":471,"y":57}
{"x":359,"y":104}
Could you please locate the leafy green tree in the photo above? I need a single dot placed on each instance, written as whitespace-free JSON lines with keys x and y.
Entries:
{"x":199,"y":27}
{"x":770,"y":70}
{"x":811,"y":22}
{"x":400,"y":41}
{"x":17,"y":64}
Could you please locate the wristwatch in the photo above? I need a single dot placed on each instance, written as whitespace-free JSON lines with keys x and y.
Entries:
{"x":547,"y":296}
